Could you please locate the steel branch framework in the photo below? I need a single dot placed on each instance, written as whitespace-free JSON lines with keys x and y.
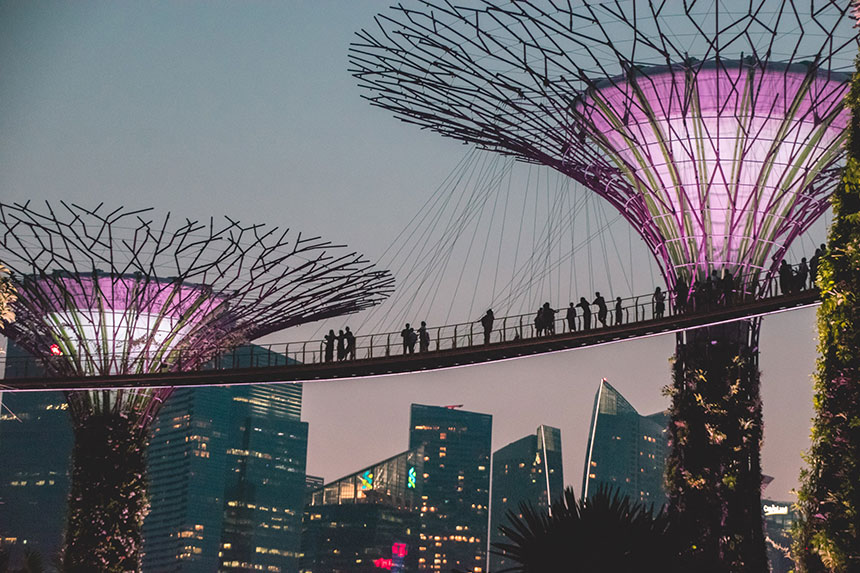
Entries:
{"x":119,"y":292}
{"x":715,"y":131}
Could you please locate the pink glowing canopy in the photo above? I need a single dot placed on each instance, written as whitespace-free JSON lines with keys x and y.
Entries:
{"x":723,"y":156}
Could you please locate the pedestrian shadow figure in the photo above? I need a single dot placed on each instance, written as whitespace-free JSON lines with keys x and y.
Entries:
{"x":409,"y":338}
{"x":487,"y":324}
{"x":602,"y":311}
{"x":329,"y":345}
{"x":423,"y":338}
{"x":586,"y":313}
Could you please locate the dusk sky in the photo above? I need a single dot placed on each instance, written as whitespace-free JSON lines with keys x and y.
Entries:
{"x":247,"y":109}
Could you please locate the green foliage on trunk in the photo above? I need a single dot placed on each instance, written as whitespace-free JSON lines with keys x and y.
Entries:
{"x":107,"y":500}
{"x":713,"y":471}
{"x":827,"y":536}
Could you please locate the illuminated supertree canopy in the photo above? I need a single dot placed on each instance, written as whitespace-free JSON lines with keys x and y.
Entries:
{"x":103,"y":292}
{"x":716,"y":131}
{"x":117,"y":291}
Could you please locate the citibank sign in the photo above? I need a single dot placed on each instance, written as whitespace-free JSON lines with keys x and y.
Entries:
{"x":775,"y":509}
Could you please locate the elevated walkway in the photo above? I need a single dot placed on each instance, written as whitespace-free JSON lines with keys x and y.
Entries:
{"x":451,"y":346}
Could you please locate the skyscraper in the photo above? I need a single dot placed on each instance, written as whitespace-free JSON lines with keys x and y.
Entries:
{"x":35,"y":443}
{"x":366,"y":521}
{"x":455,"y":499}
{"x":625,"y":450}
{"x":528,"y":470}
{"x":227,"y":472}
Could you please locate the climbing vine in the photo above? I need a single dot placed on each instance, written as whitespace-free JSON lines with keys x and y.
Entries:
{"x":107,"y":501}
{"x":713,"y":471}
{"x":827,"y":536}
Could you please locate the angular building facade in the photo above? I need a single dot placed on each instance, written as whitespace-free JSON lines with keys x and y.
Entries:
{"x":366,"y":521}
{"x":528,"y":470}
{"x":456,"y":495}
{"x":625,"y":450}
{"x":227,"y":479}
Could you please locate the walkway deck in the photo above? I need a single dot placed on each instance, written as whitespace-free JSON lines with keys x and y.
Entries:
{"x":507,"y":346}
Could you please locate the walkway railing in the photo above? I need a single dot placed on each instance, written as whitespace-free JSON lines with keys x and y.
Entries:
{"x":627,"y":311}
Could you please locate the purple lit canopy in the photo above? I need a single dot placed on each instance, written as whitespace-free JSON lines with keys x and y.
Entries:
{"x":715,"y":131}
{"x":106,"y":292}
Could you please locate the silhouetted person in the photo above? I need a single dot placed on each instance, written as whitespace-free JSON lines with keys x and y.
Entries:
{"x":423,"y":338}
{"x":710,"y":296}
{"x":728,"y":288}
{"x":586,"y":313}
{"x":602,"y":311}
{"x":408,"y":335}
{"x":802,"y":274}
{"x":539,"y":323}
{"x":350,"y":344}
{"x":659,"y":302}
{"x":571,"y":317}
{"x":487,"y":323}
{"x":329,"y":345}
{"x":785,"y":277}
{"x":813,"y":266}
{"x":682,"y":292}
{"x":548,"y":318}
{"x":341,"y":345}
{"x":619,"y":310}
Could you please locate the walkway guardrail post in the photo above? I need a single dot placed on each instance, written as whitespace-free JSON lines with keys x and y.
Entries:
{"x":438,"y":334}
{"x":454,"y":340}
{"x":471,"y":327}
{"x":370,"y":349}
{"x":504,"y":328}
{"x":388,"y":345}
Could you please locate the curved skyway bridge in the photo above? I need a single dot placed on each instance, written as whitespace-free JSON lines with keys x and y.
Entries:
{"x":450,"y":346}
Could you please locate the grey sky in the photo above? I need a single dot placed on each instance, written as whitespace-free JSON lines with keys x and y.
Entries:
{"x":247,"y":109}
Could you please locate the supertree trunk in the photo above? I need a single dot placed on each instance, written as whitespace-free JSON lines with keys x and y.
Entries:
{"x":827,"y":535}
{"x":107,"y":500}
{"x":713,"y":472}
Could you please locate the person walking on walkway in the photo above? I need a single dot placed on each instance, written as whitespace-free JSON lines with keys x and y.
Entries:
{"x":487,"y":323}
{"x":813,"y":266}
{"x":423,"y":338}
{"x":408,"y":335}
{"x":619,"y":310}
{"x":682,"y":293}
{"x":571,"y":318}
{"x":802,"y":274}
{"x":350,"y":344}
{"x":785,"y":277}
{"x":329,"y":345}
{"x":586,"y":313}
{"x":341,"y":345}
{"x":659,"y":302}
{"x":548,"y":315}
{"x":602,"y":311}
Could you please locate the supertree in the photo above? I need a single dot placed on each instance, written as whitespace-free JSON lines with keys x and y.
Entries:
{"x":715,"y":131}
{"x":104,"y":291}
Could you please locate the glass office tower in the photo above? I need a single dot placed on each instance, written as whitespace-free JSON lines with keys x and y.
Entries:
{"x":528,"y":470}
{"x":625,"y":450}
{"x":456,"y":494}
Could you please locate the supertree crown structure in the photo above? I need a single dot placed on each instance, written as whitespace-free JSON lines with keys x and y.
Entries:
{"x":715,"y":131}
{"x":117,"y":291}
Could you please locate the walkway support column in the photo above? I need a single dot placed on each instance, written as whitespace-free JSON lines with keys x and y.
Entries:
{"x":713,"y":473}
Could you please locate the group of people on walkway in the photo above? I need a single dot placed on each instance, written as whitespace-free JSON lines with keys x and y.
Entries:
{"x":345,"y":345}
{"x":719,"y":288}
{"x":411,"y":336}
{"x":795,"y":280}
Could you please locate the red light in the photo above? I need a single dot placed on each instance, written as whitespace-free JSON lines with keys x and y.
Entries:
{"x":399,"y":550}
{"x":383,"y":563}
{"x":55,"y":350}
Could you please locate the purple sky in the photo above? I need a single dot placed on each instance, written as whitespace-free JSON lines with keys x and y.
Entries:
{"x":247,"y":109}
